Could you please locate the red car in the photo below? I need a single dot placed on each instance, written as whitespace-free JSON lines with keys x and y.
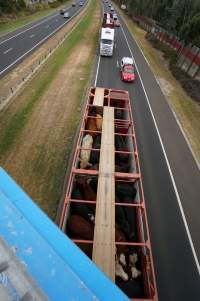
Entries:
{"x":127,"y":73}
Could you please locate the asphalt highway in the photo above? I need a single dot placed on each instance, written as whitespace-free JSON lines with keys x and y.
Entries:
{"x":15,"y":46}
{"x":170,"y":174}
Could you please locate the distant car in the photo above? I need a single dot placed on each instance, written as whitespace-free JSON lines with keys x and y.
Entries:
{"x":81,"y":3}
{"x":116,"y":22}
{"x":109,"y":5}
{"x":74,"y":4}
{"x":112,"y":9}
{"x":66,"y":15}
{"x":63,"y":10}
{"x":127,"y":69}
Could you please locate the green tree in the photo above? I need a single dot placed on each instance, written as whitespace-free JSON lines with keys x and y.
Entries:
{"x":181,"y":17}
{"x":190,"y":32}
{"x":20,"y":4}
{"x":9,"y":6}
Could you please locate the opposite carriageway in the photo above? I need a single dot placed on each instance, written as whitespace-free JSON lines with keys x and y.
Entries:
{"x":15,"y":46}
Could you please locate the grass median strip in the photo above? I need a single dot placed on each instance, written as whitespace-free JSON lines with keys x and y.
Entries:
{"x":37,"y":130}
{"x":186,"y":110}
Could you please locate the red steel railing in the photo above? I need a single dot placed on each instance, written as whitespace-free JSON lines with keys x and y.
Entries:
{"x":118,"y":99}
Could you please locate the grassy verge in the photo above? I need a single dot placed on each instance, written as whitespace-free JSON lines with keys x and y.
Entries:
{"x":190,"y":85}
{"x":40,"y":167}
{"x":7,"y":25}
{"x":186,"y":110}
{"x":57,"y":157}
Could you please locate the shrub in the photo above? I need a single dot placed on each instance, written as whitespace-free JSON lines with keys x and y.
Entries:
{"x":190,"y":85}
{"x":20,"y":4}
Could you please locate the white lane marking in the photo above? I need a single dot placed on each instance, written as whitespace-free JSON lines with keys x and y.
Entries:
{"x":18,"y":34}
{"x":180,"y":126}
{"x":117,"y":64}
{"x":97,"y":72}
{"x":8,"y":50}
{"x":31,"y":36}
{"x":98,"y":64}
{"x":168,"y":165}
{"x":40,"y":42}
{"x":142,"y":53}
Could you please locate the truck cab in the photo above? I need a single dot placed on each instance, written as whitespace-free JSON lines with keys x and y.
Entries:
{"x":108,"y":20}
{"x":107,"y":42}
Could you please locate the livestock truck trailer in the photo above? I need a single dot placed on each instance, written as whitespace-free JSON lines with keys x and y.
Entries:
{"x":104,"y":210}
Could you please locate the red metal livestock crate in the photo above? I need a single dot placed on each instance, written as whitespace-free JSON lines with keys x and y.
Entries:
{"x":105,"y":179}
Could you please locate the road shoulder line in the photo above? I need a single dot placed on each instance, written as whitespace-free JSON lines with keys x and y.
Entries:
{"x":168,"y":165}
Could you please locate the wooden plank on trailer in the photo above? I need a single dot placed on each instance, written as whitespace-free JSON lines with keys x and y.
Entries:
{"x":119,"y":95}
{"x":104,"y":232}
{"x":99,"y":97}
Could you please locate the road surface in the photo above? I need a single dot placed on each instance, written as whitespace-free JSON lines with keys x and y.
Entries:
{"x":170,"y":174}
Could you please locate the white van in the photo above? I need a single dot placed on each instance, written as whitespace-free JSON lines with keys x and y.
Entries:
{"x":66,"y":15}
{"x":107,"y":41}
{"x":127,"y":61}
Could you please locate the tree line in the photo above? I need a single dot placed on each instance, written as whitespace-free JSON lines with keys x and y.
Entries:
{"x":12,"y":6}
{"x":8,"y":6}
{"x":181,"y":17}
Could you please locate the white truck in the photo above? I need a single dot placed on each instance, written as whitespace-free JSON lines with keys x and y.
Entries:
{"x":107,"y":41}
